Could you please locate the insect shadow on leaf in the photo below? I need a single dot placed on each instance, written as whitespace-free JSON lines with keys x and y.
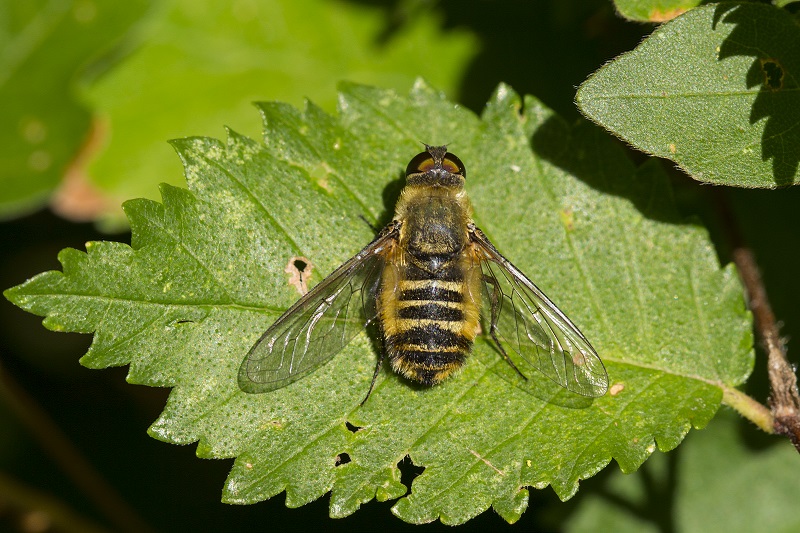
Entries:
{"x":391,"y":193}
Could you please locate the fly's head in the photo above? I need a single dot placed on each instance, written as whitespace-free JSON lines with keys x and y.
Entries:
{"x":436,"y":167}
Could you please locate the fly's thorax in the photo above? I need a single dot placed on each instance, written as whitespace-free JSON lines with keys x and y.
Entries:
{"x":434,"y":223}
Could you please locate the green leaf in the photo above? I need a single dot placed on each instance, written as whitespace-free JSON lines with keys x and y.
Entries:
{"x":204,"y":277}
{"x":715,"y":91}
{"x":715,"y":482}
{"x":653,"y":10}
{"x":207,"y":61}
{"x":44,"y":47}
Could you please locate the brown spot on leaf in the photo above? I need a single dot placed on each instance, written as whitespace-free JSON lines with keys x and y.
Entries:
{"x":616,"y":388}
{"x":274,"y":424}
{"x":567,"y":218}
{"x":299,"y":270}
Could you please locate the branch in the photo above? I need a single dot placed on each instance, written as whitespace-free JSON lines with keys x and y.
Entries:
{"x":785,"y":400}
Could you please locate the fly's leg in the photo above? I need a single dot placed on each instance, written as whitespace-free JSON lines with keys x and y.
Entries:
{"x":374,"y":377}
{"x":368,"y":223}
{"x":496,"y":299}
{"x":382,"y":348}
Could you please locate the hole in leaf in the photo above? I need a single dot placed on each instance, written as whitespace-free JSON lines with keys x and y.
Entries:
{"x":299,"y":270}
{"x":409,"y":471}
{"x":352,"y":428}
{"x":773,"y":74}
{"x":342,"y":459}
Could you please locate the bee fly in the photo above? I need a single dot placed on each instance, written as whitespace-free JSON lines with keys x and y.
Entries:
{"x":427,"y":279}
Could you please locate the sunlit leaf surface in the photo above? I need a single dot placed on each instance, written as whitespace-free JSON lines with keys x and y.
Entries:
{"x":715,"y":90}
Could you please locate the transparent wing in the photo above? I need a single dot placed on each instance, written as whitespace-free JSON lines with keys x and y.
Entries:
{"x":319,"y":325}
{"x":527,"y":323}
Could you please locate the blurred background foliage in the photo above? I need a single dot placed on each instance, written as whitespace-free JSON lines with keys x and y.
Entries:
{"x":90,"y":90}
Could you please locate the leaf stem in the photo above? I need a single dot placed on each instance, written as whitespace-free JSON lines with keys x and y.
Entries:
{"x":784,"y":399}
{"x":751,"y":409}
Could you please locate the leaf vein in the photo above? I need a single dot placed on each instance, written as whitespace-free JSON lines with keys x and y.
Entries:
{"x":252,"y":197}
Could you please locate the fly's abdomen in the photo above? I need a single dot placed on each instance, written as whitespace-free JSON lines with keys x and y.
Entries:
{"x":430,"y":321}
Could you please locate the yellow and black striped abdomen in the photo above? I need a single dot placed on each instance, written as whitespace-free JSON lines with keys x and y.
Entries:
{"x":430,"y":320}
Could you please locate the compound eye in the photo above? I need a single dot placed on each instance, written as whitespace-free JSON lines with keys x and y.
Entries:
{"x":422,"y":162}
{"x":453,"y":165}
